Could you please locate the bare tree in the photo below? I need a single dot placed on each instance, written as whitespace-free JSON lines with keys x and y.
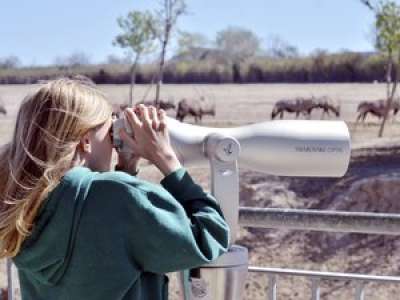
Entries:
{"x":280,"y":48}
{"x":9,"y":62}
{"x":168,"y":16}
{"x":77,"y":58}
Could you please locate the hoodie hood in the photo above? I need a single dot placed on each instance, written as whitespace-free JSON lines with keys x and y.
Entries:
{"x":47,"y":251}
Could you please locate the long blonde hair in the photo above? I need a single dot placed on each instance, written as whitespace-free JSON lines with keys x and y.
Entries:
{"x":49,"y":126}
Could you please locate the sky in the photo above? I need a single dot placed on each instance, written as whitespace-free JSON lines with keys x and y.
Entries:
{"x":38,"y":31}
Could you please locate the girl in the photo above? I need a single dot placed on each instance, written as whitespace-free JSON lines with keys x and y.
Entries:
{"x":74,"y":228}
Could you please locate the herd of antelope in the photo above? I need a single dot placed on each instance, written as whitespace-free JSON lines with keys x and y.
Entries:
{"x":299,"y":106}
{"x":304,"y":106}
{"x":376,"y":108}
{"x":195,"y":108}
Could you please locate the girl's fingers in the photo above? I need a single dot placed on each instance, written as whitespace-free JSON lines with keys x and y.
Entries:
{"x":154,"y":118}
{"x":163,"y":125}
{"x":145,"y":115}
{"x":151,"y":112}
{"x":132,"y":118}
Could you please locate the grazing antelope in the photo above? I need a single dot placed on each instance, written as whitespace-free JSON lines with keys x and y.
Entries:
{"x":298,"y":106}
{"x":375,"y":108}
{"x":328,"y":105}
{"x":195,"y":108}
{"x":163,"y":104}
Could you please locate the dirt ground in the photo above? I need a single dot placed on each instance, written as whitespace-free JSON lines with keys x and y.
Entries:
{"x":243,"y":104}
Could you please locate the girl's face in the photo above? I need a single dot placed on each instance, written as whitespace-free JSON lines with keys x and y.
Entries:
{"x":100,"y":154}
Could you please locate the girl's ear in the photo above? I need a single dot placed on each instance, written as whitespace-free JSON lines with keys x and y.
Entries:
{"x":85,"y":145}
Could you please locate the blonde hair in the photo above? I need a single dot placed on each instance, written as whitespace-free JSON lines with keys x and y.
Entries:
{"x":49,"y":126}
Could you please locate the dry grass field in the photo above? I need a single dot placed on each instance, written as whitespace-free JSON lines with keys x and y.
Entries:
{"x":235,"y":104}
{"x":243,"y":104}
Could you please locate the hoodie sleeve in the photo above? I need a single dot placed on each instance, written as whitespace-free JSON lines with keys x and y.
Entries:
{"x":173,"y":227}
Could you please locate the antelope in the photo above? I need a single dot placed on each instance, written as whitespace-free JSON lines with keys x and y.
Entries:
{"x":163,"y":104}
{"x":297,"y":106}
{"x":376,"y":108}
{"x":327,"y":105}
{"x":194,"y":107}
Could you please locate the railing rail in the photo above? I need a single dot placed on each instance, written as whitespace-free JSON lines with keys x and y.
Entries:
{"x":326,"y":221}
{"x":320,"y":220}
{"x":326,"y":275}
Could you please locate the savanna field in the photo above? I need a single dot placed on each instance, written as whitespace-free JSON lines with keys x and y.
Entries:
{"x":372,"y":184}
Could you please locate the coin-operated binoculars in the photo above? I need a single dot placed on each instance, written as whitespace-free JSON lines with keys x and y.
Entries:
{"x":283,"y":148}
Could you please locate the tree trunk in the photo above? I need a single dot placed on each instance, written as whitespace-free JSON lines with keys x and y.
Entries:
{"x":133,"y":79}
{"x":162,"y":62}
{"x":390,"y":95}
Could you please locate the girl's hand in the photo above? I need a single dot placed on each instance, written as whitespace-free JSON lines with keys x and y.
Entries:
{"x":128,"y":163}
{"x":150,"y":138}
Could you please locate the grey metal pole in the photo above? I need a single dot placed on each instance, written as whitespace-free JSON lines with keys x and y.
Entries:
{"x":222,"y":279}
{"x":360,"y":290}
{"x":330,"y":221}
{"x":315,"y":290}
{"x":272,"y":287}
{"x":10,"y":280}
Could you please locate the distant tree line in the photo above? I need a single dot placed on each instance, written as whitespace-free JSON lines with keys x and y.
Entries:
{"x":209,"y":65}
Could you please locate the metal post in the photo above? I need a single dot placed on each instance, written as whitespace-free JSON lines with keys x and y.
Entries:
{"x":223,"y":153}
{"x":222,"y":279}
{"x":271,"y":287}
{"x":315,"y":288}
{"x":360,"y":290}
{"x":10,"y":285}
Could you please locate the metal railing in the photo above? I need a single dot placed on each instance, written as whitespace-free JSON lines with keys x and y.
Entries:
{"x":327,"y":221}
{"x":312,"y":220}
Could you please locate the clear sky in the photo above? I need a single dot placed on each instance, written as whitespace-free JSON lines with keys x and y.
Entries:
{"x":37,"y":31}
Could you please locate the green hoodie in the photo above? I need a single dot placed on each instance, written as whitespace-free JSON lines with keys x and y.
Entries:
{"x":113,"y":236}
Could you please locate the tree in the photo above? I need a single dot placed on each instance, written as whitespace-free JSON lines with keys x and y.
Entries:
{"x":76,"y":59}
{"x":188,"y":41}
{"x":387,"y":28}
{"x":320,"y":61}
{"x":168,"y":16}
{"x":279,"y":48}
{"x":117,"y":60}
{"x":9,"y":62}
{"x":238,"y":43}
{"x":139,"y":34}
